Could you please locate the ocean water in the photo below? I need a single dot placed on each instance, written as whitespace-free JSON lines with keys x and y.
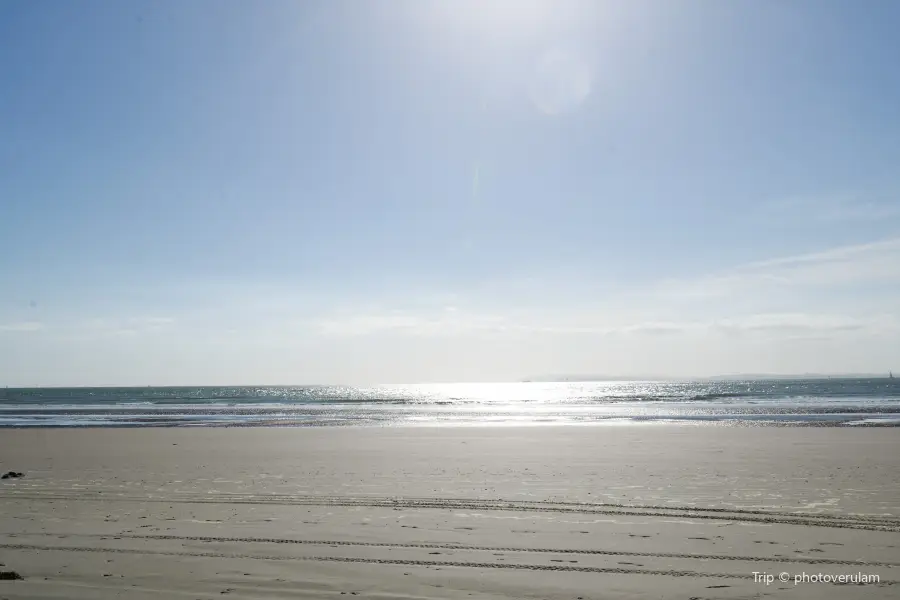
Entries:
{"x":824,"y":402}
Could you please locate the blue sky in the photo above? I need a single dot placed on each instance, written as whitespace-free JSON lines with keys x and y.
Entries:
{"x":318,"y":192}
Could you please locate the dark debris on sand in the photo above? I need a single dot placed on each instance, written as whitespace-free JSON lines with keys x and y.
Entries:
{"x":9,"y":576}
{"x":12,"y":475}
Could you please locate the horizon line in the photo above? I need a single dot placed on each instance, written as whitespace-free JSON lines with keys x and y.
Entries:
{"x":554,"y":379}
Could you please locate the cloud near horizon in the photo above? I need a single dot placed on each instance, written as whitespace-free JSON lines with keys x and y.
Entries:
{"x":22,"y":327}
{"x":764,"y":283}
{"x":876,"y":263}
{"x":835,"y":310}
{"x":776,"y":296}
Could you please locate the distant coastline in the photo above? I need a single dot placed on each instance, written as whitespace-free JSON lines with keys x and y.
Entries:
{"x":542,"y":379}
{"x":731,"y":377}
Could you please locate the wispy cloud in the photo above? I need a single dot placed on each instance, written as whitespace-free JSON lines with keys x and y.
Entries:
{"x":658,"y":328}
{"x":115,"y":326}
{"x":833,"y":254}
{"x":805,"y":323}
{"x":863,"y":211}
{"x":448,"y":323}
{"x":845,"y":207}
{"x":839,"y":293}
{"x":871,"y":263}
{"x":24,"y":326}
{"x":511,"y":321}
{"x":442,"y":322}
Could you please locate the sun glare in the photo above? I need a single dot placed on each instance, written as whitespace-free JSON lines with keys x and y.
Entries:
{"x":499,"y":17}
{"x":561,"y":82}
{"x":544,"y":35}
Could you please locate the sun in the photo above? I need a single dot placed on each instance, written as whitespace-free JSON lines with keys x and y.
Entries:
{"x":497,"y":17}
{"x":514,"y":15}
{"x":538,"y":48}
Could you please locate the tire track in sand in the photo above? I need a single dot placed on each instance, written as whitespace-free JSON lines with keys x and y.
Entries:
{"x":450,"y":546}
{"x":403,"y":562}
{"x":870,"y":523}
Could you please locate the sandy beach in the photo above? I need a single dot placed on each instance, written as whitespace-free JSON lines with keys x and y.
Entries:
{"x":469,"y":512}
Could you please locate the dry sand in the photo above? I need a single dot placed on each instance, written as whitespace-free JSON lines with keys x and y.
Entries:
{"x":519,"y":512}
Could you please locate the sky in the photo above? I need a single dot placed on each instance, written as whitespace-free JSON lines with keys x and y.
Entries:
{"x":423,"y":191}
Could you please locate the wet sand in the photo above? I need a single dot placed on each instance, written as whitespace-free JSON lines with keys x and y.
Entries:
{"x":471,"y":512}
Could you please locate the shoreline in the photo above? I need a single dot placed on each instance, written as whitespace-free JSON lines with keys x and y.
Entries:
{"x":772,"y":403}
{"x":887,"y":422}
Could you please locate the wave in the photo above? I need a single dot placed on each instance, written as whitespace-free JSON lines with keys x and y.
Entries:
{"x":705,"y":398}
{"x":458,"y":395}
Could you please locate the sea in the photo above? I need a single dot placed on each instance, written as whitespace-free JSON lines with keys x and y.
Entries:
{"x":835,"y":402}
